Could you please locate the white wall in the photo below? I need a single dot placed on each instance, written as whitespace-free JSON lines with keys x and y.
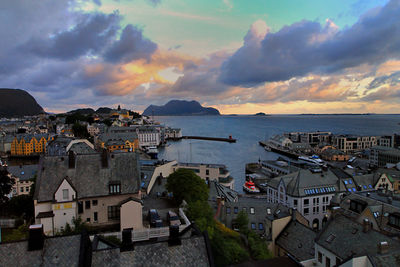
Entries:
{"x":59,"y":193}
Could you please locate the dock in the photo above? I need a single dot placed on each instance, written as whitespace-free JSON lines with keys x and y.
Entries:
{"x":229,"y":140}
{"x":281,"y":151}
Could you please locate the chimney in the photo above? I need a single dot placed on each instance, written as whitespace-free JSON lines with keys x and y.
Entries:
{"x":366,"y":225}
{"x":71,"y":160}
{"x":159,"y":178}
{"x":104,"y":159}
{"x":127,"y":244}
{"x":36,"y":237}
{"x":174,"y":239}
{"x":383,"y":247}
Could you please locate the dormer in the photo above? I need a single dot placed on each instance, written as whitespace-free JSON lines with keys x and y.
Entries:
{"x":65,"y":192}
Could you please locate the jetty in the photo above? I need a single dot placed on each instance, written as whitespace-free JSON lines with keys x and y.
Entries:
{"x":229,"y":140}
{"x":278,"y":150}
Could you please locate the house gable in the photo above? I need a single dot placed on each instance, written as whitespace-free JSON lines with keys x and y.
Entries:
{"x":65,"y":192}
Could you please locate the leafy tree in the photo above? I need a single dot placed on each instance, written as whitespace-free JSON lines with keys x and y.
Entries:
{"x":258,"y":247}
{"x":202,"y":214}
{"x":22,"y":206}
{"x":78,"y":227}
{"x":242,"y":221}
{"x":107,"y":122}
{"x":6,"y":184}
{"x":186,"y":185}
{"x":80,"y":130}
{"x":227,"y":250}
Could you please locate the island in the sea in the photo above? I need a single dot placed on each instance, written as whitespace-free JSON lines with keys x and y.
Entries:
{"x":180,"y":108}
{"x":260,"y":114}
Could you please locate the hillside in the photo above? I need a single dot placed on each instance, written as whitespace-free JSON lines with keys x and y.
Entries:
{"x":17,"y":102}
{"x":179,"y":108}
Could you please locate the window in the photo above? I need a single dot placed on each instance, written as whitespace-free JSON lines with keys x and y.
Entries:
{"x":87,"y":204}
{"x":80,"y":207}
{"x":295,"y":202}
{"x":251,"y":210}
{"x":113,"y":212}
{"x":316,"y":201}
{"x":27,"y":189}
{"x":350,"y":181}
{"x":235,"y":210}
{"x":320,"y":257}
{"x":65,"y":194}
{"x":21,"y":189}
{"x":244,"y":210}
{"x":345,"y":181}
{"x":94,"y":202}
{"x":306,"y":211}
{"x":315,"y":210}
{"x":253,"y":226}
{"x":115,"y":188}
{"x":260,"y":226}
{"x":306,"y":202}
{"x":95,"y":217}
{"x":228,"y":210}
{"x":88,"y":219}
{"x":207,"y":172}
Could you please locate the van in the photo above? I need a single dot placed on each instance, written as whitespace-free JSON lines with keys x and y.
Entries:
{"x":154,"y":218}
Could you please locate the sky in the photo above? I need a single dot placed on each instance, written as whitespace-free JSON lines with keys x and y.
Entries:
{"x":241,"y":57}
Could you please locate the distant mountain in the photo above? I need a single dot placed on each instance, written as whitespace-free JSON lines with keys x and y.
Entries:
{"x":180,"y":108}
{"x":17,"y":102}
{"x":83,"y":111}
{"x":260,"y":114}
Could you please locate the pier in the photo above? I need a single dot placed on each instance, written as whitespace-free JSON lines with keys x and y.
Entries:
{"x":229,"y":140}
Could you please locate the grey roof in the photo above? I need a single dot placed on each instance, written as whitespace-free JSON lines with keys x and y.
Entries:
{"x":82,"y":148}
{"x":88,"y":177}
{"x":57,"y":251}
{"x":28,"y":137}
{"x":297,"y":240}
{"x":117,"y":136}
{"x":23,"y":172}
{"x":218,"y":190}
{"x":297,"y":182}
{"x":346,"y":238}
{"x":192,"y":252}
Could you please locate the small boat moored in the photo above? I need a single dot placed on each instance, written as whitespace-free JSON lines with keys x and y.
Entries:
{"x":249,"y":187}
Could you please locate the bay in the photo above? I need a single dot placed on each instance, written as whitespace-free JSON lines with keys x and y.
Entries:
{"x":248,"y":130}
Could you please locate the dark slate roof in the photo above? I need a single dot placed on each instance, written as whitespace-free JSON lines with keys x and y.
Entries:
{"x":82,"y":148}
{"x":297,"y":240}
{"x":88,"y":177}
{"x":296,"y":182}
{"x":274,"y":262}
{"x":345,"y":238}
{"x":45,"y":214}
{"x":192,"y":252}
{"x":57,"y":251}
{"x":23,"y":172}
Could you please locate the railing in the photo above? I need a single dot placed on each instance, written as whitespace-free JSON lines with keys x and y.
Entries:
{"x":7,"y":223}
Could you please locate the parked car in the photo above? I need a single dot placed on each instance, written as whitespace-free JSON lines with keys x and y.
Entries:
{"x":154,"y":218}
{"x":173,"y":219}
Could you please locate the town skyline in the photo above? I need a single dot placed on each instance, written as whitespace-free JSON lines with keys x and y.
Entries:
{"x":241,"y":58}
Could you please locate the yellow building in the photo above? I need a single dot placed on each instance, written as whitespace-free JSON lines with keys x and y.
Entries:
{"x":26,"y":145}
{"x":123,"y":141}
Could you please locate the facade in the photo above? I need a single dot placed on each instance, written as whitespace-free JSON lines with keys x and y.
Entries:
{"x":349,"y":144}
{"x":309,"y":192}
{"x":330,"y":153}
{"x":22,"y":176}
{"x":209,"y":172}
{"x":280,"y":141}
{"x":148,"y":135}
{"x":124,"y":141}
{"x":89,"y":186}
{"x":26,"y":145}
{"x":380,"y":156}
{"x":172,"y":133}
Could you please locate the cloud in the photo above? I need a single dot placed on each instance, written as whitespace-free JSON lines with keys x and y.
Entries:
{"x":392,"y":80}
{"x":131,"y":46}
{"x":308,"y":47}
{"x":228,"y":4}
{"x":154,"y":2}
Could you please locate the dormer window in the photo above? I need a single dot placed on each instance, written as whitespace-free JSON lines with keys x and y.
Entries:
{"x":394,"y":220}
{"x":115,"y":188}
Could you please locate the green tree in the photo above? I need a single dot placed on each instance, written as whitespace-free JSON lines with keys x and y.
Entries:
{"x":77,"y":227}
{"x":186,"y":185}
{"x":242,"y":221}
{"x":107,"y":122}
{"x":201,"y":212}
{"x":258,"y":247}
{"x":6,"y":184}
{"x":22,"y":206}
{"x":80,"y":130}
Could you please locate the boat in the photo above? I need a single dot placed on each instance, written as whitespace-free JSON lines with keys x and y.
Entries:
{"x":249,"y":187}
{"x":315,"y":160}
{"x":152,"y":151}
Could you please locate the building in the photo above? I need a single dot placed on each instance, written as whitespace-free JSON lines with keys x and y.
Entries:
{"x":209,"y":172}
{"x":61,"y":145}
{"x":89,"y":186}
{"x":344,"y":242}
{"x":280,"y":141}
{"x":380,"y":156}
{"x":389,"y":179}
{"x":309,"y":192}
{"x":5,"y":143}
{"x":172,"y":133}
{"x":350,"y":144}
{"x":148,"y":135}
{"x":330,"y":153}
{"x":122,"y":141}
{"x":27,"y":144}
{"x":23,"y":178}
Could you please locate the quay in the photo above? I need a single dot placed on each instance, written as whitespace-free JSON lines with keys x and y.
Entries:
{"x":229,"y":140}
{"x":281,"y":151}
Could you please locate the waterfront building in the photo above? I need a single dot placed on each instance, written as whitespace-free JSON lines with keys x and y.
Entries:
{"x":350,"y":144}
{"x":148,"y":135}
{"x":123,"y":141}
{"x":28,"y":144}
{"x":380,"y":156}
{"x":89,"y":186}
{"x":172,"y":133}
{"x":208,"y":172}
{"x":309,"y":191}
{"x":280,"y":141}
